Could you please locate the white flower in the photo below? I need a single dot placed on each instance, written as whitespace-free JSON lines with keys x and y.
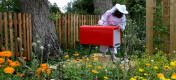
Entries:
{"x":41,"y":47}
{"x":34,"y":44}
{"x":152,"y":60}
{"x":18,"y":39}
{"x":38,"y":41}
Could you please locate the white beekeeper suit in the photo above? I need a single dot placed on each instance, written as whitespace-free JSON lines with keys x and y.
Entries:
{"x":108,"y":19}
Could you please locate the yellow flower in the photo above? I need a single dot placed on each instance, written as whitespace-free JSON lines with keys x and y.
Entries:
{"x":66,"y":56}
{"x":140,"y":78}
{"x":76,"y":54}
{"x":94,"y":71}
{"x":2,"y":60}
{"x":147,"y":65}
{"x":95,"y":59}
{"x":156,"y":48}
{"x":172,"y":63}
{"x":141,"y":70}
{"x":74,"y":60}
{"x":99,"y":67}
{"x":155,"y":67}
{"x":132,"y":79}
{"x":160,"y":75}
{"x":173,"y":76}
{"x":167,"y":68}
{"x":45,"y":66}
{"x":89,"y":65}
{"x":145,"y":74}
{"x":105,"y":77}
{"x":9,"y":70}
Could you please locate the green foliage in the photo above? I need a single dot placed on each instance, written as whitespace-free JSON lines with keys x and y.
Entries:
{"x":80,"y":7}
{"x":54,"y":8}
{"x":137,"y":13}
{"x":9,"y":6}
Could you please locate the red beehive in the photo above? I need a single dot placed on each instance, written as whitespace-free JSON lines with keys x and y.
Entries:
{"x":100,"y":35}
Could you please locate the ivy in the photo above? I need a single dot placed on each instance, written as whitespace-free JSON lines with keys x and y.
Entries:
{"x":159,"y":28}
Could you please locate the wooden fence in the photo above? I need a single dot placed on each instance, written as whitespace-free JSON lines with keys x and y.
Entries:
{"x":169,"y":18}
{"x":13,"y":26}
{"x":67,"y":27}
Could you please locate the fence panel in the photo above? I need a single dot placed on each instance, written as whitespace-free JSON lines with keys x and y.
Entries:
{"x":67,"y":27}
{"x":13,"y":26}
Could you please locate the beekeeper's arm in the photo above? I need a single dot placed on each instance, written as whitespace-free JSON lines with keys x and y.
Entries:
{"x":104,"y":18}
{"x":123,"y":23}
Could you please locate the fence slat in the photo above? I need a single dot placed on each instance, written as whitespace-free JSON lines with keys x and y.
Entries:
{"x":68,"y":31}
{"x":172,"y":28}
{"x":11,"y":32}
{"x":16,"y":34}
{"x":30,"y":33}
{"x":60,"y":29}
{"x":149,"y":23}
{"x":71,"y":28}
{"x":24,"y":35}
{"x":20,"y":32}
{"x":66,"y":21}
{"x":28,"y":37}
{"x":1,"y":29}
{"x":6,"y":30}
{"x":74,"y":20}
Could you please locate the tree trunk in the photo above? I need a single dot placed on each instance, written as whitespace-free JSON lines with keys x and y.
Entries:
{"x":102,"y":5}
{"x":41,"y":25}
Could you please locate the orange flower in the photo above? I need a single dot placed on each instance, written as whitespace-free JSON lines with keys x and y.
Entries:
{"x":76,"y":54}
{"x":89,"y":65}
{"x":10,"y":61}
{"x":48,"y":71}
{"x":6,"y":54}
{"x":66,"y":56}
{"x":99,"y":67}
{"x":2,"y":60}
{"x":2,"y":48}
{"x":74,"y":60}
{"x":24,"y":58}
{"x":94,"y":71}
{"x":17,"y":63}
{"x":173,"y":76}
{"x":39,"y":70}
{"x":160,"y":75}
{"x":87,"y":59}
{"x":38,"y":76}
{"x":2,"y":65}
{"x":14,"y":64}
{"x":45,"y":66}
{"x":147,"y":65}
{"x":83,"y":57}
{"x":21,"y":75}
{"x":9,"y":70}
{"x":81,"y":60}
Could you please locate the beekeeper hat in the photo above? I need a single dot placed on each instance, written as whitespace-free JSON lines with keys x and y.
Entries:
{"x":121,"y":8}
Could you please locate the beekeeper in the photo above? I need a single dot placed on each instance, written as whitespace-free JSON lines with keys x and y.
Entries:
{"x":113,"y":17}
